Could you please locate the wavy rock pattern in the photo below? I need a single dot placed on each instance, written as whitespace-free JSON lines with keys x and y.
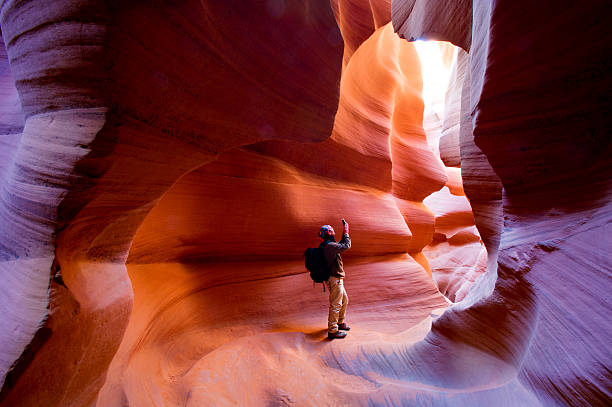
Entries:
{"x":357,"y":20}
{"x":450,"y":151}
{"x":556,"y":211}
{"x":556,"y":198}
{"x":455,"y":253}
{"x":105,"y":91}
{"x":434,"y":20}
{"x":179,"y":136}
{"x":203,"y":217}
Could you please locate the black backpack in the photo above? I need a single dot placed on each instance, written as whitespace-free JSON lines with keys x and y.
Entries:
{"x":315,"y":262}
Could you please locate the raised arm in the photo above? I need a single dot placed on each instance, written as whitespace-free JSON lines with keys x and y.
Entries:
{"x":343,"y":244}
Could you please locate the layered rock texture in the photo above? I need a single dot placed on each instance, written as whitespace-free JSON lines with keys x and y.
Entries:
{"x":165,"y":165}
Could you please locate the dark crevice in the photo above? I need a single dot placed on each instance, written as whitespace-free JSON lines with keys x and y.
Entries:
{"x":22,"y":363}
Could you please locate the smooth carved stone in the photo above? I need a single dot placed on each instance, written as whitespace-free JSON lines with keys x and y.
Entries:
{"x":204,"y":216}
{"x":439,"y":20}
{"x":480,"y":183}
{"x":452,"y":212}
{"x":450,"y":150}
{"x":555,"y":169}
{"x":558,"y":137}
{"x":156,"y":128}
{"x":357,"y":20}
{"x":456,"y":263}
{"x":194,"y":325}
{"x":33,"y":186}
{"x":551,"y":270}
{"x":11,"y":114}
{"x":165,"y":134}
{"x":172,"y":86}
{"x":456,"y":254}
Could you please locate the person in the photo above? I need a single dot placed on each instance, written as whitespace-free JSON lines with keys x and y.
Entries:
{"x":338,"y":300}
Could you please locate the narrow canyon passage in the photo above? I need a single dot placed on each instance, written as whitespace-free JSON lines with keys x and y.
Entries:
{"x":219,"y":284}
{"x":164,"y":166}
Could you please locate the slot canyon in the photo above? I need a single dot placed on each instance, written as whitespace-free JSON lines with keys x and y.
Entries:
{"x":164,"y":165}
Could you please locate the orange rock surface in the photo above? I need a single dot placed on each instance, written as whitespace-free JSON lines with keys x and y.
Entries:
{"x":521,"y":334}
{"x":164,"y":166}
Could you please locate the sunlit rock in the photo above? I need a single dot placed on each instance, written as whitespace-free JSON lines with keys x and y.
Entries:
{"x":165,"y":165}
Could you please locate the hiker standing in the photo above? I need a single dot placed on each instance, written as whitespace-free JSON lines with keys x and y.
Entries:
{"x":338,"y":299}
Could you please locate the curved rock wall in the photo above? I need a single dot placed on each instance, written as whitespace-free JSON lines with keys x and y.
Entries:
{"x":247,"y":206}
{"x":531,"y":88}
{"x":255,"y":203}
{"x":555,"y":169}
{"x":434,"y":20}
{"x":455,"y":253}
{"x":450,"y":153}
{"x":15,"y":334}
{"x":106,"y":88}
{"x":115,"y":110}
{"x":357,"y":20}
{"x":257,"y":207}
{"x":211,"y":131}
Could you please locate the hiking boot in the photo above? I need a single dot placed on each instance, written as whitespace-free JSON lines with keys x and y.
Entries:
{"x":343,"y":327}
{"x":338,"y":334}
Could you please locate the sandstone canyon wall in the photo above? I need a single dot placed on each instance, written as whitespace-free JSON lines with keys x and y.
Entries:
{"x":530,"y":123}
{"x":165,"y":165}
{"x":118,"y":105}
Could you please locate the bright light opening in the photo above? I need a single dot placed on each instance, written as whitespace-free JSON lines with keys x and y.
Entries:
{"x":436,"y":63}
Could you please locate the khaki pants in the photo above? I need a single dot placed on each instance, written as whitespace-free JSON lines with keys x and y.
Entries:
{"x":337,"y":303}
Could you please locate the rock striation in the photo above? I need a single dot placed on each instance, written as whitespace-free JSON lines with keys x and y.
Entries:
{"x":227,"y":235}
{"x":119,"y":103}
{"x":163,"y":166}
{"x":527,"y":102}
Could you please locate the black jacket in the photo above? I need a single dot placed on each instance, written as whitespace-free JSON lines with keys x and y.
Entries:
{"x":332,"y":252}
